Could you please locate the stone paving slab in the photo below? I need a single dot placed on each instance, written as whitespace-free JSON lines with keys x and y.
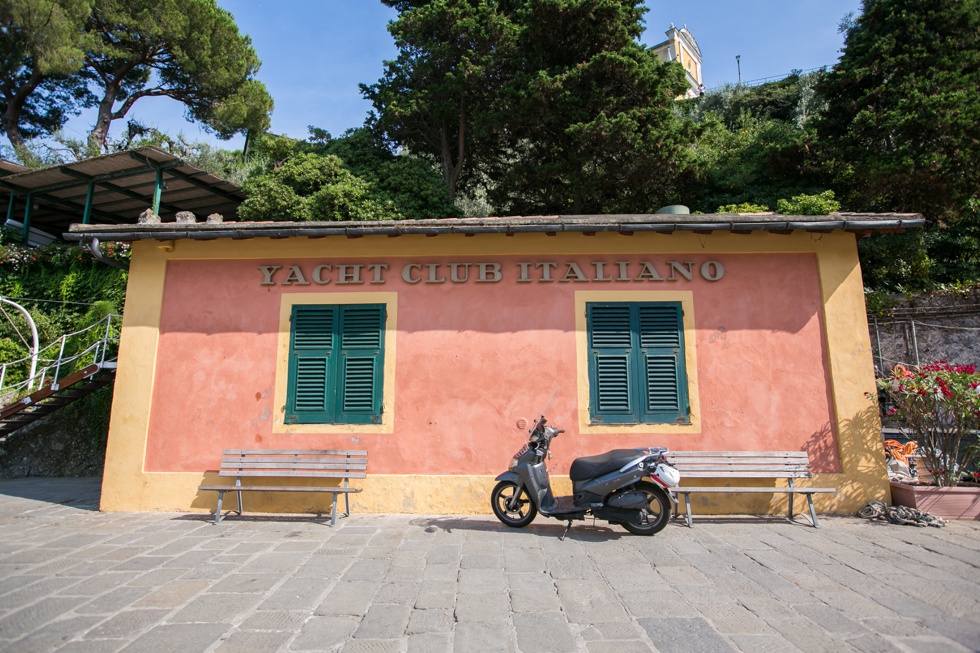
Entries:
{"x":75,"y":580}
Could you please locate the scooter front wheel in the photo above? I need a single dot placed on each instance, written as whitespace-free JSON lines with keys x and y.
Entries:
{"x":512,"y":505}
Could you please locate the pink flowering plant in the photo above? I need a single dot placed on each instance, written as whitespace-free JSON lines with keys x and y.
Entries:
{"x":938,"y":406}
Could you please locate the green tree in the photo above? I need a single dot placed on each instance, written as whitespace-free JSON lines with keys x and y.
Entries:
{"x":440,"y":97}
{"x":409,"y":183}
{"x":757,"y":144}
{"x":60,"y":55}
{"x":804,"y":204}
{"x":42,"y":50}
{"x":353,"y":177}
{"x":903,"y":118}
{"x":553,"y":101}
{"x":188,"y":50}
{"x":902,"y":133}
{"x":590,"y":119}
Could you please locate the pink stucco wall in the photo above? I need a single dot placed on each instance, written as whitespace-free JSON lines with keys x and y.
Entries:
{"x":475,"y":358}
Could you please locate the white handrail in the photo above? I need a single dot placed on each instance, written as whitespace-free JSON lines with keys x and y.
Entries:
{"x":99,"y":351}
{"x":34,"y":350}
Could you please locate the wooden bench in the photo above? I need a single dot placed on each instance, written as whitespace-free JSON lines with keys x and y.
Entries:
{"x":290,"y":464}
{"x":729,"y":465}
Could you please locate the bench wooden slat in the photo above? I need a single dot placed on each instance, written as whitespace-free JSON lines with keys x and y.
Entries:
{"x":287,"y":464}
{"x":739,"y":474}
{"x":236,"y":463}
{"x":291,"y":473}
{"x":748,"y":466}
{"x":277,"y":488}
{"x":738,"y":455}
{"x":306,"y":452}
{"x":743,"y":460}
{"x":761,"y":490}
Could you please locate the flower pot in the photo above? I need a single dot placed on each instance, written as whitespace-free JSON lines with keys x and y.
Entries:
{"x":945,"y":502}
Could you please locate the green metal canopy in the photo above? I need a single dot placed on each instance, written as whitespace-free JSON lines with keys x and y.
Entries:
{"x":112,"y":189}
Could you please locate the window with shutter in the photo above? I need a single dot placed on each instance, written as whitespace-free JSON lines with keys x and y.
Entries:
{"x":636,"y":363}
{"x":336,"y":363}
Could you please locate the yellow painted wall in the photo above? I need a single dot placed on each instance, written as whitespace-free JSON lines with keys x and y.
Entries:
{"x":128,"y":486}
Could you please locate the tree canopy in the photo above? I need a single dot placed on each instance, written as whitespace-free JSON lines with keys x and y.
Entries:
{"x":903,"y":115}
{"x":42,"y":45}
{"x":902,"y":133}
{"x":61,"y":55}
{"x":348,"y":178}
{"x":554,"y":101}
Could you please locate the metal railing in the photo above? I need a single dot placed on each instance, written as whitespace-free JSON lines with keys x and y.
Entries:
{"x":96,"y":344}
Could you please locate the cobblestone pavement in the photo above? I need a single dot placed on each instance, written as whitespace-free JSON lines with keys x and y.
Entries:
{"x":73,"y":579}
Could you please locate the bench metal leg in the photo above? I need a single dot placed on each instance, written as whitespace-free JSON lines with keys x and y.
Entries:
{"x":217,"y":511}
{"x":813,"y":513}
{"x":333,"y":513}
{"x":791,"y":500}
{"x":687,"y":505}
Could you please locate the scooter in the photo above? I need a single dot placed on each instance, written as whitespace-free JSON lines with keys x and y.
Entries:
{"x":611,"y":486}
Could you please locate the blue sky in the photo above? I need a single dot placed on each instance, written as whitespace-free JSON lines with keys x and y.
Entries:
{"x":315,"y":53}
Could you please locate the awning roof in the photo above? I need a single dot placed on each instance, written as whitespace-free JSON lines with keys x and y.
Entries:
{"x":122,"y":187}
{"x":860,"y":223}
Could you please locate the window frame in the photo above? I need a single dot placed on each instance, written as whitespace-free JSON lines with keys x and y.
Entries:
{"x":335,"y":353}
{"x":386,"y":380}
{"x":586,"y":425}
{"x":637,"y":371}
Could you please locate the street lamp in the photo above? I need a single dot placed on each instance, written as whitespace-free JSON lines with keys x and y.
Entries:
{"x":738,"y":62}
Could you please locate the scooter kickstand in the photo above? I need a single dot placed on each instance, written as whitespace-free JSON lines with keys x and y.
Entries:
{"x":567,"y":528}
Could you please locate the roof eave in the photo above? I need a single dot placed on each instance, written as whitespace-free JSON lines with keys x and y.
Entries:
{"x":624,"y":224}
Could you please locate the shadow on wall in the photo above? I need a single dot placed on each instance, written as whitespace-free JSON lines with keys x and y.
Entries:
{"x":862,"y":458}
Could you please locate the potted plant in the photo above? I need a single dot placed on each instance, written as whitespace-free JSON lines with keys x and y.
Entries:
{"x":938,"y":407}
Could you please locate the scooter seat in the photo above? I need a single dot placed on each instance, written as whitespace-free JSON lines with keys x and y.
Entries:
{"x":595,"y":466}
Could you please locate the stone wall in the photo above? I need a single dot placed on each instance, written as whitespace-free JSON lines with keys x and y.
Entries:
{"x":69,"y":442}
{"x":927,"y":328}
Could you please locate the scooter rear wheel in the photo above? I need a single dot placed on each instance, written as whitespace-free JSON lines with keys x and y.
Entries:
{"x":657,"y":511}
{"x":512,"y":505}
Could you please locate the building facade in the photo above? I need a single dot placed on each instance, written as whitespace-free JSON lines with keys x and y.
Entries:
{"x":434,"y":345}
{"x":681,"y":47}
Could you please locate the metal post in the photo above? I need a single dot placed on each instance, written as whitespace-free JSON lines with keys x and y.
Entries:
{"x":57,"y":367}
{"x":915,"y":342}
{"x":738,"y":62}
{"x":104,"y":345}
{"x":881,"y":360}
{"x":27,"y":221}
{"x":87,"y":216}
{"x":908,"y":342}
{"x":157,"y":191}
{"x":10,"y":206}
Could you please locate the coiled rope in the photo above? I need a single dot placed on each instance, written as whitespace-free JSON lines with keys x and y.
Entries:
{"x":900,"y":515}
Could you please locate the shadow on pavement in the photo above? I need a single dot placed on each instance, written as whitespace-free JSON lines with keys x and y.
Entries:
{"x":82,"y":493}
{"x":585,"y":531}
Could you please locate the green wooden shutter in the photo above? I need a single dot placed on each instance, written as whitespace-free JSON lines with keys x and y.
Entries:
{"x":636,"y":363}
{"x":361,"y":363}
{"x":312,"y":334}
{"x":612,"y":392}
{"x":661,"y":335}
{"x":336,"y":364}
